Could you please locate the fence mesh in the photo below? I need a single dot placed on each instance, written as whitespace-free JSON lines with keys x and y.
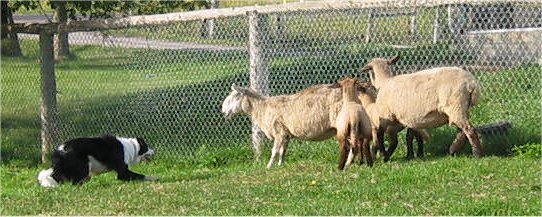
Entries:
{"x":166,"y":82}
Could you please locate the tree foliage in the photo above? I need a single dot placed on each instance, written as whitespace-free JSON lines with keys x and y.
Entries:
{"x":106,"y":8}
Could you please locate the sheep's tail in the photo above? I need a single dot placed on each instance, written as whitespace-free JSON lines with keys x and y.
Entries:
{"x":354,"y":131}
{"x":474,"y":89}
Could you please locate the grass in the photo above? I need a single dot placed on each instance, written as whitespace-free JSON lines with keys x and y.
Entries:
{"x":434,"y":186}
{"x":172,"y":98}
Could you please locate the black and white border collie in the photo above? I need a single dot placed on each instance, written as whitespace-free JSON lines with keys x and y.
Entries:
{"x":78,"y":159}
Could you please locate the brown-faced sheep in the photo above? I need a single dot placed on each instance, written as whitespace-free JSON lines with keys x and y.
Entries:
{"x":353,"y":124}
{"x":427,"y":99}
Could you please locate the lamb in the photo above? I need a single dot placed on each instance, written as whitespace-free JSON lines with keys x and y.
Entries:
{"x":353,"y":124}
{"x":435,"y":97}
{"x":307,"y":115}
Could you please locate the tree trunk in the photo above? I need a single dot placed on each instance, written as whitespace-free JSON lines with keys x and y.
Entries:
{"x":62,"y":46}
{"x":10,"y":41}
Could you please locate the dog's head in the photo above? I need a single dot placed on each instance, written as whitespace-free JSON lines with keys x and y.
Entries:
{"x":135,"y":150}
{"x":145,"y":153}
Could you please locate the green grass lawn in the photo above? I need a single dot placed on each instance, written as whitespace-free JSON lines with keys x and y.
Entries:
{"x":434,"y":186}
{"x":172,"y":98}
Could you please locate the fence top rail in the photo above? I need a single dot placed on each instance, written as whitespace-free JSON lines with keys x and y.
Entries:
{"x":146,"y":20}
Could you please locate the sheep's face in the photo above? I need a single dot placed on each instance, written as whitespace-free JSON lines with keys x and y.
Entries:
{"x":366,"y":88}
{"x":232,"y":105}
{"x":379,"y":64}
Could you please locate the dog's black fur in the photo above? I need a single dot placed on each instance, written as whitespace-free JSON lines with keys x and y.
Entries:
{"x":71,"y":161}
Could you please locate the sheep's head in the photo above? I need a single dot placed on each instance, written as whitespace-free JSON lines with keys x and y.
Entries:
{"x":232,"y":105}
{"x":235,"y":103}
{"x":350,"y":86}
{"x":366,"y":88}
{"x":380,"y":64}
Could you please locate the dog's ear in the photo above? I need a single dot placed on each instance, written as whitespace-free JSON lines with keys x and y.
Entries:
{"x":143,"y":147}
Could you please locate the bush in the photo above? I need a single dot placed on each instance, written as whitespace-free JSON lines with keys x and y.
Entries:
{"x":531,"y":150}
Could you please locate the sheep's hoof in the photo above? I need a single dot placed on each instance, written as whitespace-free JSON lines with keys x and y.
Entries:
{"x":386,"y":159}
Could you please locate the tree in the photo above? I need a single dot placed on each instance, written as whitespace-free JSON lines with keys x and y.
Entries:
{"x":77,"y":10}
{"x":9,"y":39}
{"x":61,"y":40}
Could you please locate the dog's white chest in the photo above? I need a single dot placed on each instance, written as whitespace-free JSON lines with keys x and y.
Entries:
{"x":95,"y":167}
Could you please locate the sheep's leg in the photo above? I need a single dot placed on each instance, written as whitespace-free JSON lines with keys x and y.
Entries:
{"x":282,"y":150}
{"x":419,"y":139}
{"x":351,"y":155}
{"x":277,"y":146}
{"x":378,"y":142}
{"x":366,"y":151}
{"x":343,"y":152}
{"x":473,"y":138}
{"x":457,"y":143}
{"x":393,"y":144}
{"x":410,"y":148}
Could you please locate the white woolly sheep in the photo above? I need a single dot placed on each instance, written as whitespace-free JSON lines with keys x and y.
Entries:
{"x":307,"y":115}
{"x":427,"y":99}
{"x":353,"y":124}
{"x":367,"y":97}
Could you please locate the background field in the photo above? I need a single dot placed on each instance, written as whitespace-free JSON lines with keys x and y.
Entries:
{"x":172,"y":98}
{"x":224,"y":180}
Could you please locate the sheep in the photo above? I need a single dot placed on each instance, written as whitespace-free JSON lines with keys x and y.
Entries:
{"x":367,"y":97}
{"x":307,"y":115}
{"x":353,"y":124}
{"x":426,"y":99}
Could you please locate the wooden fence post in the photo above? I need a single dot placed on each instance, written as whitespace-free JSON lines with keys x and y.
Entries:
{"x":48,"y":107}
{"x":259,"y":76}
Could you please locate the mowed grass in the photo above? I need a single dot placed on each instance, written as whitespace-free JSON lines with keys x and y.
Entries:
{"x":434,"y":186}
{"x":198,"y":177}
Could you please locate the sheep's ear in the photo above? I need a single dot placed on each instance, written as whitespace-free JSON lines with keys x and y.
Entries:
{"x":238,"y":89}
{"x":335,"y":85}
{"x":394,"y":60}
{"x":366,"y":68}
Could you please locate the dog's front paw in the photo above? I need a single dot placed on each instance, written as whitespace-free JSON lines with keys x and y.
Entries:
{"x":151,"y":178}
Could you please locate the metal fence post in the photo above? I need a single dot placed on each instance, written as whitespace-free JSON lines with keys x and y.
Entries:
{"x":209,"y":25}
{"x":369,"y":27}
{"x":48,"y":106}
{"x":259,"y":76}
{"x":413,"y":24}
{"x":436,"y":30}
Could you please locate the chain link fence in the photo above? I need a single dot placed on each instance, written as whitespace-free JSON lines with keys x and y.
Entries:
{"x":166,"y":83}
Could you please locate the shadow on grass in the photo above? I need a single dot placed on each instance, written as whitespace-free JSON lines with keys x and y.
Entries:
{"x":184,"y":121}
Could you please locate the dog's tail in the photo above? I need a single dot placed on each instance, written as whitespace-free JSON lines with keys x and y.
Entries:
{"x":45,"y":178}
